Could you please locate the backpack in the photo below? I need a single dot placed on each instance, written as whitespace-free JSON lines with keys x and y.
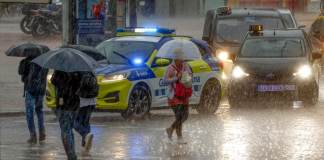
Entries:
{"x":23,"y":69}
{"x":180,"y":90}
{"x":88,"y":86}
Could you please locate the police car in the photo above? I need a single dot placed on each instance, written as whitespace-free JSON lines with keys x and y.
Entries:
{"x":275,"y":63}
{"x":225,"y":28}
{"x":132,"y":81}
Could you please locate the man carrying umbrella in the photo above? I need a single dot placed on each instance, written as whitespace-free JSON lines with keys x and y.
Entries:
{"x":66,"y":79}
{"x":34,"y":78}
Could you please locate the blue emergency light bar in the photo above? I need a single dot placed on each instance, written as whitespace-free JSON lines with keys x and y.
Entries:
{"x":147,"y":30}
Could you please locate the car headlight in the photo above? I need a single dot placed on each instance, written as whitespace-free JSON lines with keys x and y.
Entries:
{"x":223,"y":55}
{"x":238,"y":72}
{"x":116,"y":77}
{"x":304,"y":72}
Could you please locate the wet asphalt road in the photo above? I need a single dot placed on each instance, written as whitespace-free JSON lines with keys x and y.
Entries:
{"x":263,"y":131}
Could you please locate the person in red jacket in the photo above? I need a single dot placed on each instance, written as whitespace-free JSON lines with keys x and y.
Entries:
{"x":177,"y":98}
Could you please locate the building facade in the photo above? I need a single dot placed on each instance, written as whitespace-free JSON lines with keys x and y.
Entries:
{"x":293,"y":5}
{"x":175,"y":8}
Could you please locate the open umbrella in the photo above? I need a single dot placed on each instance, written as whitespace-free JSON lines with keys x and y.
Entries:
{"x":189,"y":50}
{"x":27,"y":50}
{"x":66,"y":60}
{"x":90,"y":51}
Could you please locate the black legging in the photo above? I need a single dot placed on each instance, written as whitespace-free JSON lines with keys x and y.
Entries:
{"x":181,"y":114}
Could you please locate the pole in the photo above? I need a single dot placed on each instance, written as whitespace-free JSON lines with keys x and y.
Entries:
{"x":132,"y":13}
{"x":68,"y":21}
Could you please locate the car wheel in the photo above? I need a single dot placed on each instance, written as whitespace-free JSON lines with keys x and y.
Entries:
{"x":139,"y":103}
{"x":310,"y":95}
{"x":25,"y":24}
{"x":210,"y":98}
{"x":39,"y":31}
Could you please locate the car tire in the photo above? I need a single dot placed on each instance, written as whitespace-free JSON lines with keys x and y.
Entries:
{"x":210,"y":97}
{"x":139,"y":103}
{"x":39,"y":31}
{"x":310,"y":94}
{"x":24,"y":25}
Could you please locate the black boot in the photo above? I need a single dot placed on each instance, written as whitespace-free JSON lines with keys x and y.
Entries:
{"x":42,"y":135}
{"x":169,"y":132}
{"x":32,"y":139}
{"x":179,"y":131}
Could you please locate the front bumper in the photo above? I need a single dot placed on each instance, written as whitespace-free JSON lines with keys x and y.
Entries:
{"x":112,"y":95}
{"x":248,"y":87}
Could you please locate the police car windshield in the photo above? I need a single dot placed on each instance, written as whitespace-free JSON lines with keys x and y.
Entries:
{"x":123,"y":52}
{"x":234,"y":29}
{"x":272,"y":48}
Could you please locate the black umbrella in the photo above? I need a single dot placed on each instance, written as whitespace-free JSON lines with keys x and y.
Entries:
{"x":66,"y":60}
{"x":90,"y":51}
{"x":27,"y":50}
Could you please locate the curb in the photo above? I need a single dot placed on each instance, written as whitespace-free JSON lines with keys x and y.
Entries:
{"x":18,"y":114}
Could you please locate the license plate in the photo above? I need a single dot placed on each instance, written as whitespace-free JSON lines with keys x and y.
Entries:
{"x":275,"y":88}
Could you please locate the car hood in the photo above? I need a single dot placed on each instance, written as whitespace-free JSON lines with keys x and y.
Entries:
{"x":262,"y":66}
{"x":112,"y":68}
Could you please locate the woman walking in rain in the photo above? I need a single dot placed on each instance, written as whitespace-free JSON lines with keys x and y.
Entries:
{"x":178,"y":77}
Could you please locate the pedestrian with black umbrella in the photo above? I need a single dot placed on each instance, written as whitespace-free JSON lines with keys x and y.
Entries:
{"x":34,"y":78}
{"x":66,"y":79}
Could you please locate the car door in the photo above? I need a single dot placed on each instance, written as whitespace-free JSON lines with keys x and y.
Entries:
{"x":202,"y":71}
{"x":159,"y":88}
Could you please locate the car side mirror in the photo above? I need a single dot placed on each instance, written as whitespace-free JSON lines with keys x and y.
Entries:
{"x":317,"y":55}
{"x":162,"y":62}
{"x":207,"y":39}
{"x":301,"y":26}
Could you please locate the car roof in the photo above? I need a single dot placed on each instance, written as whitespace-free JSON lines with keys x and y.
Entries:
{"x":153,"y":39}
{"x":243,"y":12}
{"x":298,"y":33}
{"x":147,"y":38}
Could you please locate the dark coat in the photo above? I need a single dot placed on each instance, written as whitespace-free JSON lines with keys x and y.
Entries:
{"x":66,"y":85}
{"x":36,"y":80}
{"x":33,"y":77}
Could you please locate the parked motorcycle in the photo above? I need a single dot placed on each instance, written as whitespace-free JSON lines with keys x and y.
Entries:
{"x":47,"y":22}
{"x":30,"y":11}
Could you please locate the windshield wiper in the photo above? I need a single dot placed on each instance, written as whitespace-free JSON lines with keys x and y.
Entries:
{"x":122,"y":56}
